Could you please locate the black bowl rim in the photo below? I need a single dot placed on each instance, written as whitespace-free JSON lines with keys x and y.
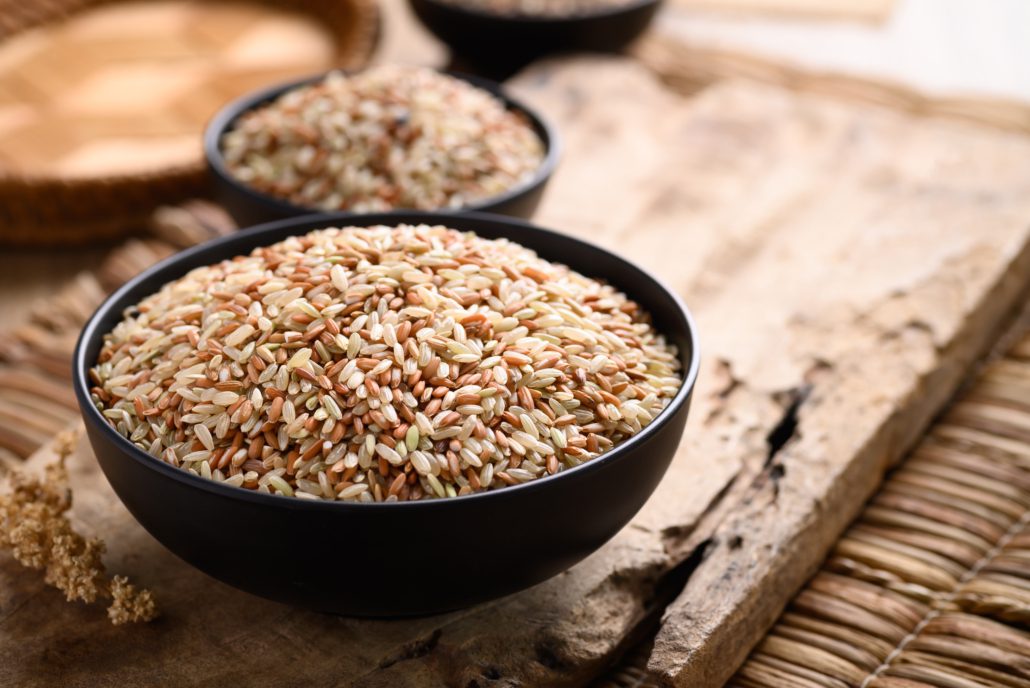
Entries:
{"x":538,"y":20}
{"x":232,"y":111}
{"x":303,"y":224}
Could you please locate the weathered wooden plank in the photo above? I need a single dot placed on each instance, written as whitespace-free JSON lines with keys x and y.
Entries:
{"x":845,"y":263}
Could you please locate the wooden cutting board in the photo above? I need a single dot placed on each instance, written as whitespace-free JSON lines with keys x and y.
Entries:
{"x":847,"y":262}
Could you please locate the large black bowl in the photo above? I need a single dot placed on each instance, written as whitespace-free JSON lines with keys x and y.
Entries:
{"x":248,"y":206}
{"x":401,"y":558}
{"x":503,"y":40}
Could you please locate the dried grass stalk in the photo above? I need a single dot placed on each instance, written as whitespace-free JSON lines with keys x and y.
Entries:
{"x":35,"y":527}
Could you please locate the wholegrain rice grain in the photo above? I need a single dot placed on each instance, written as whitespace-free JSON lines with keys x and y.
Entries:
{"x":388,"y":137}
{"x":383,"y":364}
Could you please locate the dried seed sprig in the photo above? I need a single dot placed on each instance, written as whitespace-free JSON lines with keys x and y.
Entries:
{"x":382,"y":364}
{"x":388,"y":137}
{"x":35,"y":528}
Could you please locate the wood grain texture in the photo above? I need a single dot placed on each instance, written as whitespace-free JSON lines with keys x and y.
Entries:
{"x":851,"y":271}
{"x":846,"y":263}
{"x":929,"y":583}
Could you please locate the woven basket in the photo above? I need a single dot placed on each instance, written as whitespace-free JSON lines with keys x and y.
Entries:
{"x":48,"y":210}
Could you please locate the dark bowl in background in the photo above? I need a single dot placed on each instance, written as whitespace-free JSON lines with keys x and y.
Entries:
{"x":248,"y":206}
{"x":402,"y":558}
{"x":505,"y":40}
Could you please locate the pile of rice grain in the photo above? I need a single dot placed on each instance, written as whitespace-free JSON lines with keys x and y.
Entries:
{"x":389,"y":137}
{"x":383,"y":363}
{"x":540,"y":8}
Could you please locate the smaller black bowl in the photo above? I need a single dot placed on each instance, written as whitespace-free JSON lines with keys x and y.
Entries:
{"x":502,"y":42}
{"x":248,"y":206}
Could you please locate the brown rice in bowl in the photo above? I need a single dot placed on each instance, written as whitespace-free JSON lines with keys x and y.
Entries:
{"x":382,"y":364}
{"x":385,"y":138}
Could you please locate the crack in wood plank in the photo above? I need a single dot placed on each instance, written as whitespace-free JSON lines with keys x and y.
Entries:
{"x":699,"y":644}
